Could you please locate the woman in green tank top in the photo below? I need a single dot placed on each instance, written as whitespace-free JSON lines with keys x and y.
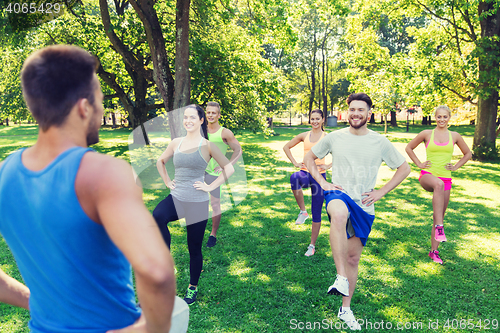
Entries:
{"x":435,"y":174}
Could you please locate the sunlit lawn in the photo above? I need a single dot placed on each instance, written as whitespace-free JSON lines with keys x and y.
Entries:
{"x":257,"y":279}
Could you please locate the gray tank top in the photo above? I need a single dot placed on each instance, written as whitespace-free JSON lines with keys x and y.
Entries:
{"x":189,"y":168}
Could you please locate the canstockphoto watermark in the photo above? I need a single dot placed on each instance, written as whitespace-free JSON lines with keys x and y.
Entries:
{"x":454,"y":324}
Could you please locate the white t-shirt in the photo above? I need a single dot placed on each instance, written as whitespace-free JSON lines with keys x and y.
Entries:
{"x":356,"y":160}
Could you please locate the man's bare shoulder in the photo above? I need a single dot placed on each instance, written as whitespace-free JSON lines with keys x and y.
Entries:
{"x":103,"y":169}
{"x":227,"y":134}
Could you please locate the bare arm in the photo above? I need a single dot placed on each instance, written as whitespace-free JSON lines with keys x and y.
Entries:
{"x":311,"y":166}
{"x":292,"y":143}
{"x":401,"y":173}
{"x":226,"y":166}
{"x":421,"y":137}
{"x":232,"y":142}
{"x":465,"y":150}
{"x":13,"y":292}
{"x":116,"y":202}
{"x":163,"y":159}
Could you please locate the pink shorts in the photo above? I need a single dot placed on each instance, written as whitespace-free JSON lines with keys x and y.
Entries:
{"x":446,"y":181}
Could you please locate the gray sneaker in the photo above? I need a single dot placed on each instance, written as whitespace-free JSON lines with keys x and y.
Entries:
{"x":310,"y":250}
{"x":301,"y":218}
{"x":339,"y":287}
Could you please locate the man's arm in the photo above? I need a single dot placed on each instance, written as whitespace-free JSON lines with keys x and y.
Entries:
{"x":401,"y":173}
{"x":230,"y":139}
{"x":13,"y":292}
{"x":313,"y":170}
{"x":116,"y":202}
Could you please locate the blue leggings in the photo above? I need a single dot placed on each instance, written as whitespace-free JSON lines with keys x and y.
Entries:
{"x":196,"y":215}
{"x":303,"y":179}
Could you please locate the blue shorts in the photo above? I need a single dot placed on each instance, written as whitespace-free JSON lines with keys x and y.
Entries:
{"x":359,"y":223}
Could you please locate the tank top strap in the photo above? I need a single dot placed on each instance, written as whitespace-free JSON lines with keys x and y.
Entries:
{"x":179,"y":145}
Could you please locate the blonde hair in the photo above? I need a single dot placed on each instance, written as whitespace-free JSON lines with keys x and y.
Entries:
{"x":444,"y":107}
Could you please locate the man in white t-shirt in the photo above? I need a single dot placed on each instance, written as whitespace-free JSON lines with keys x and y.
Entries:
{"x":357,"y":154}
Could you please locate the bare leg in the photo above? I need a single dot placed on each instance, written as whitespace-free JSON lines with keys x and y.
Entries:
{"x":316,"y":226}
{"x":433,"y":184}
{"x":338,"y":239}
{"x":299,"y":197}
{"x":354,"y":249}
{"x":216,"y":214}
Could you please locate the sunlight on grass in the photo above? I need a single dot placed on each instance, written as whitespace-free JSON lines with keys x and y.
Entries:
{"x":473,"y":245}
{"x":296,"y":288}
{"x":239,"y":268}
{"x":263,"y":277}
{"x":426,"y":268}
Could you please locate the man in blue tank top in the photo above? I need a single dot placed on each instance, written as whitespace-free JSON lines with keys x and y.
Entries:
{"x":73,"y":218}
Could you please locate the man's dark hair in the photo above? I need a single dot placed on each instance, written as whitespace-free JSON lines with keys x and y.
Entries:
{"x":54,"y":79}
{"x":360,"y":97}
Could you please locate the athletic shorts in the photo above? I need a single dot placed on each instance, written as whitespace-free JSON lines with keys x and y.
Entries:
{"x":359,"y":222}
{"x":447,"y":181}
{"x":209,"y":179}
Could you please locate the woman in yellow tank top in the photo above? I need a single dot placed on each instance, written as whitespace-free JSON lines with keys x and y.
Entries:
{"x":303,"y":179}
{"x":435,"y":175}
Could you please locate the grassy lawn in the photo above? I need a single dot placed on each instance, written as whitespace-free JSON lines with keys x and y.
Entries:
{"x":257,"y":279}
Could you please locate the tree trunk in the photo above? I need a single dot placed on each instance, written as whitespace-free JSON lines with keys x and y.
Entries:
{"x":394,"y":121}
{"x":372,"y":118}
{"x":323,"y":79}
{"x":313,"y":76}
{"x":182,"y":91}
{"x":162,"y":73}
{"x":488,"y":63}
{"x":113,"y":117}
{"x":385,"y":122}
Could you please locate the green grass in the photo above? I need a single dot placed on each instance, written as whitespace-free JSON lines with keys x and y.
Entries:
{"x":257,"y":279}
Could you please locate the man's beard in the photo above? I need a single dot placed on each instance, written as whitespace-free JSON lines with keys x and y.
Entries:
{"x":359,"y":125}
{"x":93,"y":134}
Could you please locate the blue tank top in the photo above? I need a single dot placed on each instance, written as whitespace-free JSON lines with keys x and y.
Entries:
{"x":79,"y":280}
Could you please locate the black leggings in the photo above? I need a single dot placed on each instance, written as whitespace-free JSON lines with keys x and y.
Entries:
{"x":196,"y":215}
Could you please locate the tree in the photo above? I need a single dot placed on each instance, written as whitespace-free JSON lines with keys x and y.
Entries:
{"x":469,"y":34}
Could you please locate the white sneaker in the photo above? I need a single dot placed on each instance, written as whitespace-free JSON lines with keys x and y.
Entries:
{"x":339,"y":287}
{"x":310,"y":250}
{"x":302,"y":218}
{"x":348,"y":317}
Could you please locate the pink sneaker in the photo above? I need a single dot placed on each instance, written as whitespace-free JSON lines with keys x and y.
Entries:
{"x":439,"y":234}
{"x":435,"y":256}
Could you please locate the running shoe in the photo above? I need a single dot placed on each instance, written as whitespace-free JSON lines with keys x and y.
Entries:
{"x":435,"y":256}
{"x":348,"y":317}
{"x":439,"y":234}
{"x":339,"y":287}
{"x":310,"y":250}
{"x":211,"y":241}
{"x":302,"y":218}
{"x":191,"y":295}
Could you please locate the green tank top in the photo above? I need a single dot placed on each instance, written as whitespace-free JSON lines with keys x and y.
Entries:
{"x":439,"y":155}
{"x":217,"y":139}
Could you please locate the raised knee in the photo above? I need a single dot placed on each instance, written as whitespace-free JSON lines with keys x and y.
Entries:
{"x":439,"y":186}
{"x":338,"y":218}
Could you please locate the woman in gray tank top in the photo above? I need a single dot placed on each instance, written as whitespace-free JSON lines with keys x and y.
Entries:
{"x":188,"y":196}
